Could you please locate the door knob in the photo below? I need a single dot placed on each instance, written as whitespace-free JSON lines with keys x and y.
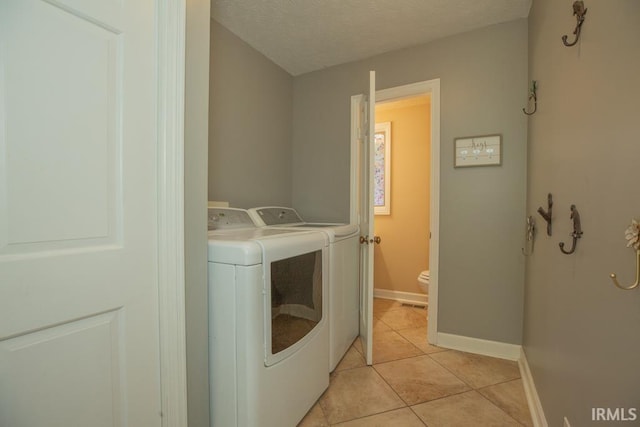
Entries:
{"x":367,"y":240}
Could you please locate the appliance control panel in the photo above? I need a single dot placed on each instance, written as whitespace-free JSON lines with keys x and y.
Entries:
{"x":228,"y":218}
{"x":279,"y":216}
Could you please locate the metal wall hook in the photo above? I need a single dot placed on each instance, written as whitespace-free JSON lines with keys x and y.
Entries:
{"x":614,"y":278}
{"x":573,"y":248}
{"x":530,"y":235}
{"x":532,"y":95}
{"x":579,"y":11}
{"x":577,"y":231}
{"x":547,"y":215}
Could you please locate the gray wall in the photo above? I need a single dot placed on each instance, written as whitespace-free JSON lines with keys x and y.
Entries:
{"x":196,"y":129}
{"x":483,"y":88}
{"x":580,"y":332}
{"x":250,"y":119}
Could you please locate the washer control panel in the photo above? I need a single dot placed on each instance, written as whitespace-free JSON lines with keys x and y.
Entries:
{"x":279,"y":216}
{"x":228,"y":218}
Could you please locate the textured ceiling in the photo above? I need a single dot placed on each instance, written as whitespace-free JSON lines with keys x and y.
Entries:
{"x":308,"y":35}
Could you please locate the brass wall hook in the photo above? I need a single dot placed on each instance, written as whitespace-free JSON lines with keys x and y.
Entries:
{"x":579,"y":11}
{"x":614,"y":278}
{"x":532,"y":95}
{"x":577,"y":231}
{"x":547,"y":215}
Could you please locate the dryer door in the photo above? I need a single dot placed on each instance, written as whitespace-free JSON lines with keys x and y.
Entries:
{"x":294,"y":296}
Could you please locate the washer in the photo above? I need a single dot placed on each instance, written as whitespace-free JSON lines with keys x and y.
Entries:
{"x":268,"y":321}
{"x":344,"y":256}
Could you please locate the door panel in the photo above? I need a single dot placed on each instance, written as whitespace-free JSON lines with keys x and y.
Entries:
{"x":60,"y":398}
{"x":78,"y":229}
{"x":62,"y":147}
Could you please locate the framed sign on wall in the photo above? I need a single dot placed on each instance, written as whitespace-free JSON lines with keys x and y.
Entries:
{"x":484,"y":150}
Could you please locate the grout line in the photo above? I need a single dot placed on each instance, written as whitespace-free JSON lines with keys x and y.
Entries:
{"x":373,"y":365}
{"x":448,"y":370}
{"x":498,"y":383}
{"x":496,"y":405}
{"x":372,"y":415}
{"x":461,"y":379}
{"x":442,"y":397}
{"x":406,"y":405}
{"x":397,"y":331}
{"x":418,"y":416}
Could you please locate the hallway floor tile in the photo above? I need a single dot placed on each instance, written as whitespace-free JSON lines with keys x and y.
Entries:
{"x":413,"y":383}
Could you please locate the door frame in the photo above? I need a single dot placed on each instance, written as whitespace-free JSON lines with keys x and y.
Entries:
{"x":171,"y":38}
{"x":432,"y":88}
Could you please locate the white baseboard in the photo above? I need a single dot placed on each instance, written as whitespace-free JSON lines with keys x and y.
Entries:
{"x":478,"y":346}
{"x":403,"y":297}
{"x":537,"y":414}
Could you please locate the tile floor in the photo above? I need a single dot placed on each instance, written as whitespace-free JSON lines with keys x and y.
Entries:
{"x":413,"y":383}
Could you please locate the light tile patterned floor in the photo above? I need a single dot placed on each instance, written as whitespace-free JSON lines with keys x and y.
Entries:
{"x":413,"y":383}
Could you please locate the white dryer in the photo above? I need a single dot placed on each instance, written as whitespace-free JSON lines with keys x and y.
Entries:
{"x":344,"y":256}
{"x":268,"y":326}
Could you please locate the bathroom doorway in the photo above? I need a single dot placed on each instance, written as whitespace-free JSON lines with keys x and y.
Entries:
{"x":403,"y":174}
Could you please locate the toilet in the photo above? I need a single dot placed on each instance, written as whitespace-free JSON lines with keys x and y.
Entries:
{"x":423,"y":281}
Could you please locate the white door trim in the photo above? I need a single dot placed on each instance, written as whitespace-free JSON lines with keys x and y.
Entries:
{"x":171,"y":263}
{"x":431,"y":87}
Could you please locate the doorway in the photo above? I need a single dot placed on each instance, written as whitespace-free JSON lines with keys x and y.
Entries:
{"x":429,"y":88}
{"x":401,"y":198}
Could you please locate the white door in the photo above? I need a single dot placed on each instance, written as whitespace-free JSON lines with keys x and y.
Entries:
{"x":365,"y":212}
{"x":78,"y":229}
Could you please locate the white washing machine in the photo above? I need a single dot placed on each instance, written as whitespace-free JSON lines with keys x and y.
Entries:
{"x":268,"y":321}
{"x":344,"y":256}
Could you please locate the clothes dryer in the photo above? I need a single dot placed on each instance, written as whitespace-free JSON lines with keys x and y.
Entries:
{"x":344,"y":256}
{"x":268,"y":326}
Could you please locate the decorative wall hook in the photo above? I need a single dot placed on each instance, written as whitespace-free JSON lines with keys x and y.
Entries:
{"x":579,"y":11}
{"x":577,"y":231}
{"x":547,"y":215}
{"x":532,"y":95}
{"x":614,"y":278}
{"x":530,"y":235}
{"x":632,"y":234}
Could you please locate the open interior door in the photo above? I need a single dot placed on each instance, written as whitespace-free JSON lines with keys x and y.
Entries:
{"x":365,"y":212}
